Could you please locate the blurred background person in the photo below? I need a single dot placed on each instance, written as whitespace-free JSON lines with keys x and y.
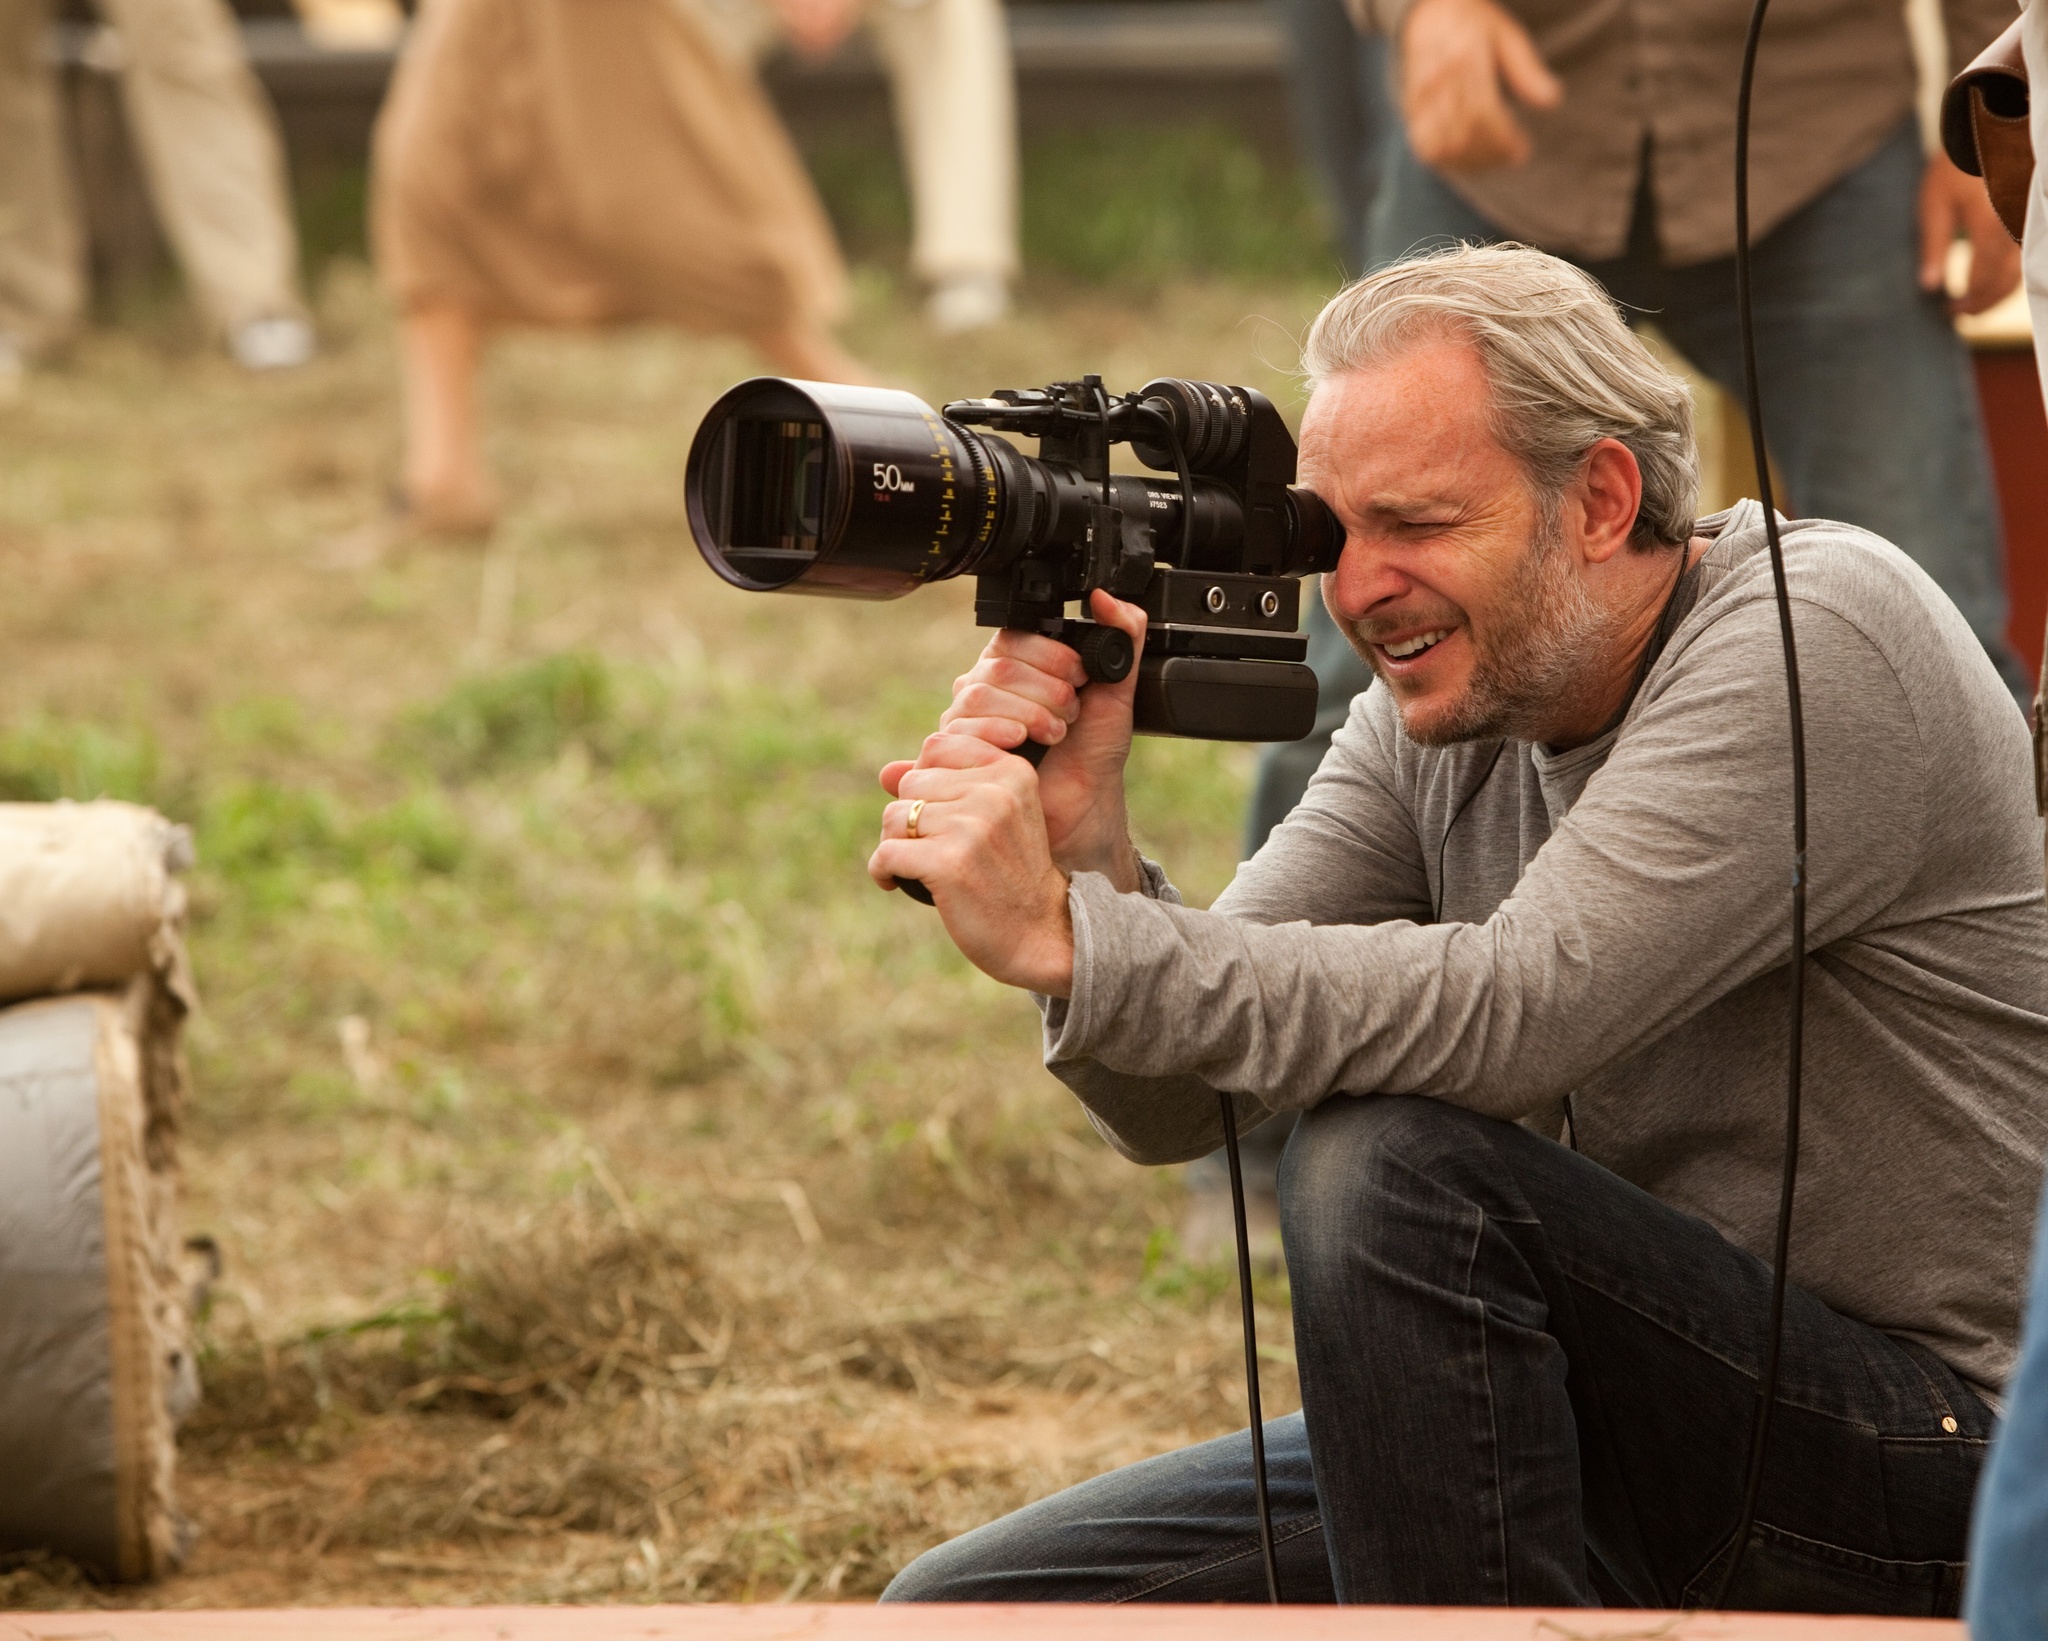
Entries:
{"x":953,"y":88}
{"x":351,"y":25}
{"x":581,"y":162}
{"x":1343,"y":114}
{"x":208,"y":141}
{"x":1614,"y":146}
{"x":954,"y":91}
{"x":1607,"y":135}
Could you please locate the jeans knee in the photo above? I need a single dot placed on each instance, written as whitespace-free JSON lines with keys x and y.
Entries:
{"x":952,"y":1571}
{"x":1358,"y":1168}
{"x":922,"y":1580}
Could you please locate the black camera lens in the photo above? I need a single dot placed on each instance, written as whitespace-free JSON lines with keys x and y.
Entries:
{"x":856,"y":491}
{"x":861,"y":492}
{"x":772,"y":496}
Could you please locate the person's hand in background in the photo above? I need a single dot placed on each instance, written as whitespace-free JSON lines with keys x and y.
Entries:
{"x":1461,"y":62}
{"x":816,"y":27}
{"x":1954,"y":204}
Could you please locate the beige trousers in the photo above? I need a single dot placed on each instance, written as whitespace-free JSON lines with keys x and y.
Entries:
{"x":209,"y":146}
{"x":955,"y":96}
{"x":956,"y":116}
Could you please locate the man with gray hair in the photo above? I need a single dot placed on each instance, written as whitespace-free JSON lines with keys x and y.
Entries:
{"x":1520,"y":958}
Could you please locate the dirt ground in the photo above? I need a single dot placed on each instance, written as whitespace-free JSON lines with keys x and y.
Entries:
{"x":620,"y":1200}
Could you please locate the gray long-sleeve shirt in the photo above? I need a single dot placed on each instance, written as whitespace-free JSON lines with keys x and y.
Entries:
{"x":1611,"y":923}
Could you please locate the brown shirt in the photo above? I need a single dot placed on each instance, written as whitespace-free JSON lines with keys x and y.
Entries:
{"x":1834,"y":79}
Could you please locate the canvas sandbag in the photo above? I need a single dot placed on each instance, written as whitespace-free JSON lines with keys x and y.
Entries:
{"x":95,"y":1358}
{"x":89,"y":897}
{"x":96,"y":1365}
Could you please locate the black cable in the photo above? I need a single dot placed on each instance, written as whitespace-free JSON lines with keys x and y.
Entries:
{"x":1244,"y":1254}
{"x":1169,"y":430}
{"x":1187,"y":493}
{"x":1244,"y":1244}
{"x":1767,"y":1385}
{"x":1251,"y":1350}
{"x":1094,"y":384}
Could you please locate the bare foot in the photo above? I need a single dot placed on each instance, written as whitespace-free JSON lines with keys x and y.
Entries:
{"x":469,"y":508}
{"x":465,"y":517}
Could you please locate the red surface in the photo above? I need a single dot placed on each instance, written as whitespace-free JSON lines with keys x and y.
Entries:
{"x":2010,"y":390}
{"x":867,"y":1623}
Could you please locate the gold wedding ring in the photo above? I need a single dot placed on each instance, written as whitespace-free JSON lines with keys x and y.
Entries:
{"x":910,"y":826}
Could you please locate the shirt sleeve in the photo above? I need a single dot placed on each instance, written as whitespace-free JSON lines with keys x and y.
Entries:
{"x":1662,"y":890}
{"x":1348,"y":853}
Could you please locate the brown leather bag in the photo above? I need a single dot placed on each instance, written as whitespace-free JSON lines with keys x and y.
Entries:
{"x":1985,"y":130}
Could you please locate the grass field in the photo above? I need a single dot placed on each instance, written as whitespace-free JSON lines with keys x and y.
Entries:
{"x":621,"y":1200}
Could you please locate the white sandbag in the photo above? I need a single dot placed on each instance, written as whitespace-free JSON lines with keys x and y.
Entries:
{"x":95,"y":1358}
{"x":89,"y":896}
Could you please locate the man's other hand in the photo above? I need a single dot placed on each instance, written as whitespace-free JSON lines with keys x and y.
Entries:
{"x":1460,"y":61}
{"x":1028,"y":687}
{"x":981,"y":851}
{"x":1953,"y":203}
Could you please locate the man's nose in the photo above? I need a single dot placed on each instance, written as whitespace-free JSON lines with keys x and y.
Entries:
{"x":1365,"y":577}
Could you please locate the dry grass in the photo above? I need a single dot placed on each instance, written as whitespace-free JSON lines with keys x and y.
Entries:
{"x":620,"y":1199}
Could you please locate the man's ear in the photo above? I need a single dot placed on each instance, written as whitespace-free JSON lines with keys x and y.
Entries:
{"x":1608,"y":496}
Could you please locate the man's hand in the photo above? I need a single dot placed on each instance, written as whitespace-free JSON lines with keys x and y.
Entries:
{"x":981,"y":851}
{"x":1459,"y":61}
{"x":996,"y":839}
{"x":1953,"y":202}
{"x":816,"y":27}
{"x":1026,"y":687}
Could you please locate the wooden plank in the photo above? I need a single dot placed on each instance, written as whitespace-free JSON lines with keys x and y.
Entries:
{"x":998,"y":1623}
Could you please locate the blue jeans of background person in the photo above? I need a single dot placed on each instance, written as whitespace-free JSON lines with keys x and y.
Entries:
{"x":2008,"y":1595}
{"x":1524,"y":1381}
{"x":1869,"y":398}
{"x":1343,"y":114}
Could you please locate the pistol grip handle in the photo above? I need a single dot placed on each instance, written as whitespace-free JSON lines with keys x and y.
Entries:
{"x":1031,"y":752}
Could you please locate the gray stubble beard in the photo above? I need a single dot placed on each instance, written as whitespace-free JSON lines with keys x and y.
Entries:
{"x":1527,"y":676}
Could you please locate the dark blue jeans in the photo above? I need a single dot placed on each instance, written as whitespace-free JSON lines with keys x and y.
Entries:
{"x":1524,"y":1382}
{"x":1344,"y":114}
